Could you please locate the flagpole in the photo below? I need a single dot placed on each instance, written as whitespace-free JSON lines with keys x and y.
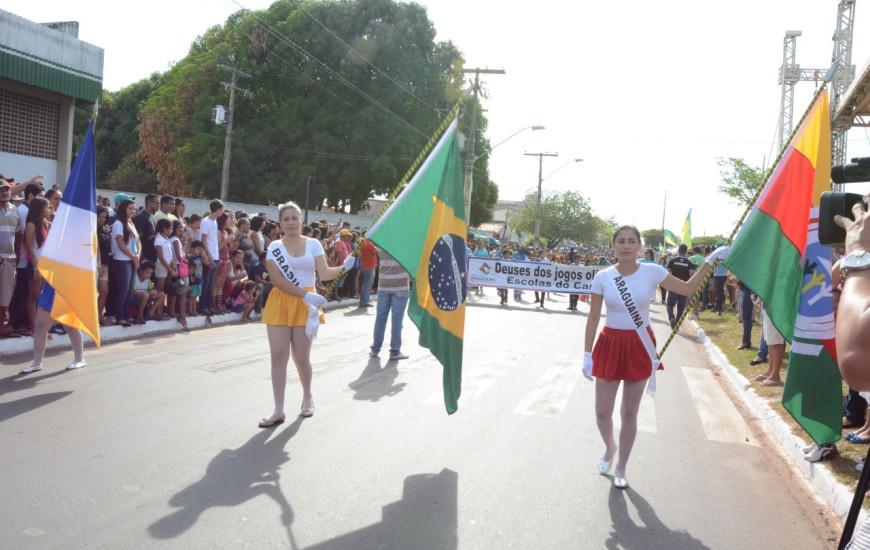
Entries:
{"x":664,"y":208}
{"x":401,"y":185}
{"x":746,"y":212}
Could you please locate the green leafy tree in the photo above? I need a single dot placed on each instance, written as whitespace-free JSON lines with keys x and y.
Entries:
{"x":708,"y":240}
{"x":740,"y":181}
{"x":320,"y":108}
{"x":652,"y":238}
{"x":565,"y":216}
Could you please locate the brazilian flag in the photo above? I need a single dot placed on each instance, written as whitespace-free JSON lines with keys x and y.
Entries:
{"x":670,"y":238}
{"x":424,"y":229}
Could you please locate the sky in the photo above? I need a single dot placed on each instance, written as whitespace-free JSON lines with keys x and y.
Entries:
{"x":648,"y":94}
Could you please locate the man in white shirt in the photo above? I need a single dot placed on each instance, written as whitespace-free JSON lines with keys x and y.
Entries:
{"x":8,"y":230}
{"x":209,"y":236}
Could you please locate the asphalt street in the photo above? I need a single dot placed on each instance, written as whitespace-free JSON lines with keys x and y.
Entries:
{"x":155,"y":445}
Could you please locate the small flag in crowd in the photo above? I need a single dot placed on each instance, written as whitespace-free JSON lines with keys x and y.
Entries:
{"x":69,"y":258}
{"x":777,"y":255}
{"x":670,"y":238}
{"x":424,"y":229}
{"x":686,"y":233}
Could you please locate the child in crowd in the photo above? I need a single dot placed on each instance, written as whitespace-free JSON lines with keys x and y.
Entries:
{"x":245,"y":301}
{"x":192,"y":232}
{"x":145,"y":295}
{"x":164,"y":266}
{"x":260,"y":276}
{"x":194,"y":262}
{"x":178,"y":302}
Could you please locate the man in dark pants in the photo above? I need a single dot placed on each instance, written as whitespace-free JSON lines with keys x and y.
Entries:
{"x":720,"y":274}
{"x":681,"y":268}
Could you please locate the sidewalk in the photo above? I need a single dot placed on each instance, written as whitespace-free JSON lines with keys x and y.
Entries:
{"x":13,"y":346}
{"x":816,"y":475}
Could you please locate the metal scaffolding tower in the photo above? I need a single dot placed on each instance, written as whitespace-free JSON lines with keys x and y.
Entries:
{"x":842,"y":72}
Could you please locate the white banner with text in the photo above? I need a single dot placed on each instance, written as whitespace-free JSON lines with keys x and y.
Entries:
{"x":570,"y":279}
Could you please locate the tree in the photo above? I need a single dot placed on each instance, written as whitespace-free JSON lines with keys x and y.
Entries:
{"x":708,"y":240}
{"x":652,"y":238}
{"x":347,"y":93}
{"x":565,"y":216}
{"x":741,"y":181}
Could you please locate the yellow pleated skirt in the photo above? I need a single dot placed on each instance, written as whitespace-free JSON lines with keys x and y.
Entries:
{"x":286,"y":310}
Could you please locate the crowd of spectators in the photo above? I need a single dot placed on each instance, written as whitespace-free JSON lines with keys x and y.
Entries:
{"x":156,"y":261}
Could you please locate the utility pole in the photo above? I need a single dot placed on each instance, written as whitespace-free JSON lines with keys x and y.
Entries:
{"x":540,"y":181}
{"x":228,"y":141}
{"x":469,"y":155}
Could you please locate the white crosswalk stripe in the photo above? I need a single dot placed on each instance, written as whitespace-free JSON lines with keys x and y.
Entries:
{"x":550,"y":394}
{"x":475,"y":381}
{"x":720,"y":419}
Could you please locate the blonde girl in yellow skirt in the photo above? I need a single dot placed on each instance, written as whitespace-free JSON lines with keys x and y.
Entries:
{"x":292,"y":263}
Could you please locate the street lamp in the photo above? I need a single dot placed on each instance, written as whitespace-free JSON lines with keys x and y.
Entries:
{"x":469,"y":167}
{"x":559,"y":168}
{"x":532,"y":128}
{"x":540,"y":181}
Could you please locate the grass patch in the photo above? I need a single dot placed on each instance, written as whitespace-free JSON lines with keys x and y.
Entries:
{"x":726,"y":332}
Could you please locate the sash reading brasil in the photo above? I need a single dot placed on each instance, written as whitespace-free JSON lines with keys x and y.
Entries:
{"x":625,"y":295}
{"x":284,"y":265}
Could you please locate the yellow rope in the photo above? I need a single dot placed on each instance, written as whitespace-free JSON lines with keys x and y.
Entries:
{"x":401,"y":185}
{"x":691,"y":303}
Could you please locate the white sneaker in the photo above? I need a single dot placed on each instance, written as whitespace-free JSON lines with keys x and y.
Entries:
{"x":398,"y":357}
{"x":372,"y":354}
{"x":821,"y":453}
{"x":76,"y":365}
{"x":809,"y":448}
{"x":31,"y":368}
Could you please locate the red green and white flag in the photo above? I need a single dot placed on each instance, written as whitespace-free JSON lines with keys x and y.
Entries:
{"x":777,"y":255}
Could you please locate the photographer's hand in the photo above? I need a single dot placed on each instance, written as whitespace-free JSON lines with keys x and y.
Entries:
{"x":858,"y":231}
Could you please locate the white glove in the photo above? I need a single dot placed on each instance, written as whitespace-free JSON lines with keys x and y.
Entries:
{"x":587,"y":365}
{"x":314,"y":300}
{"x":348,"y":262}
{"x":313,"y":323}
{"x":719,"y":254}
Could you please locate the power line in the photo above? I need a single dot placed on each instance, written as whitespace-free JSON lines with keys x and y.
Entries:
{"x":271,"y":30}
{"x":364,"y":58}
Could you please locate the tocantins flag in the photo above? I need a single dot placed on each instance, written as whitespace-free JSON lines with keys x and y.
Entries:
{"x":782,"y":261}
{"x":69,"y":256}
{"x":686,"y":233}
{"x":424,"y":230}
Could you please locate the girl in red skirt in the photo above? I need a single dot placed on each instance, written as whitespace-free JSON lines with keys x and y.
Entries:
{"x":620,"y":355}
{"x":295,"y":257}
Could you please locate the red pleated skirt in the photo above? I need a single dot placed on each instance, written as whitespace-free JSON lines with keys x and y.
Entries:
{"x":620,"y":355}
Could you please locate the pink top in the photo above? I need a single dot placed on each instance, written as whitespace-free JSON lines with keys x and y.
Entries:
{"x":242,"y":298}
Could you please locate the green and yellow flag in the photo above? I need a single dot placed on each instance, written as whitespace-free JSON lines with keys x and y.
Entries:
{"x":424,"y":230}
{"x":670,"y":238}
{"x":686,"y":233}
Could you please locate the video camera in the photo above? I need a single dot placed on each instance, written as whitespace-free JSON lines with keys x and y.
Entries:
{"x":837,"y":203}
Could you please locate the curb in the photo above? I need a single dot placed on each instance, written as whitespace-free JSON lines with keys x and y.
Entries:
{"x":815,"y":474}
{"x":111,"y":334}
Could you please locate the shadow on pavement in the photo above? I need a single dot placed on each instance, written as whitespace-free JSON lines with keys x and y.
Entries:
{"x":652,"y":533}
{"x":232,"y":477}
{"x":18,"y":381}
{"x":376,"y":382}
{"x":425,"y":518}
{"x":27,"y":404}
